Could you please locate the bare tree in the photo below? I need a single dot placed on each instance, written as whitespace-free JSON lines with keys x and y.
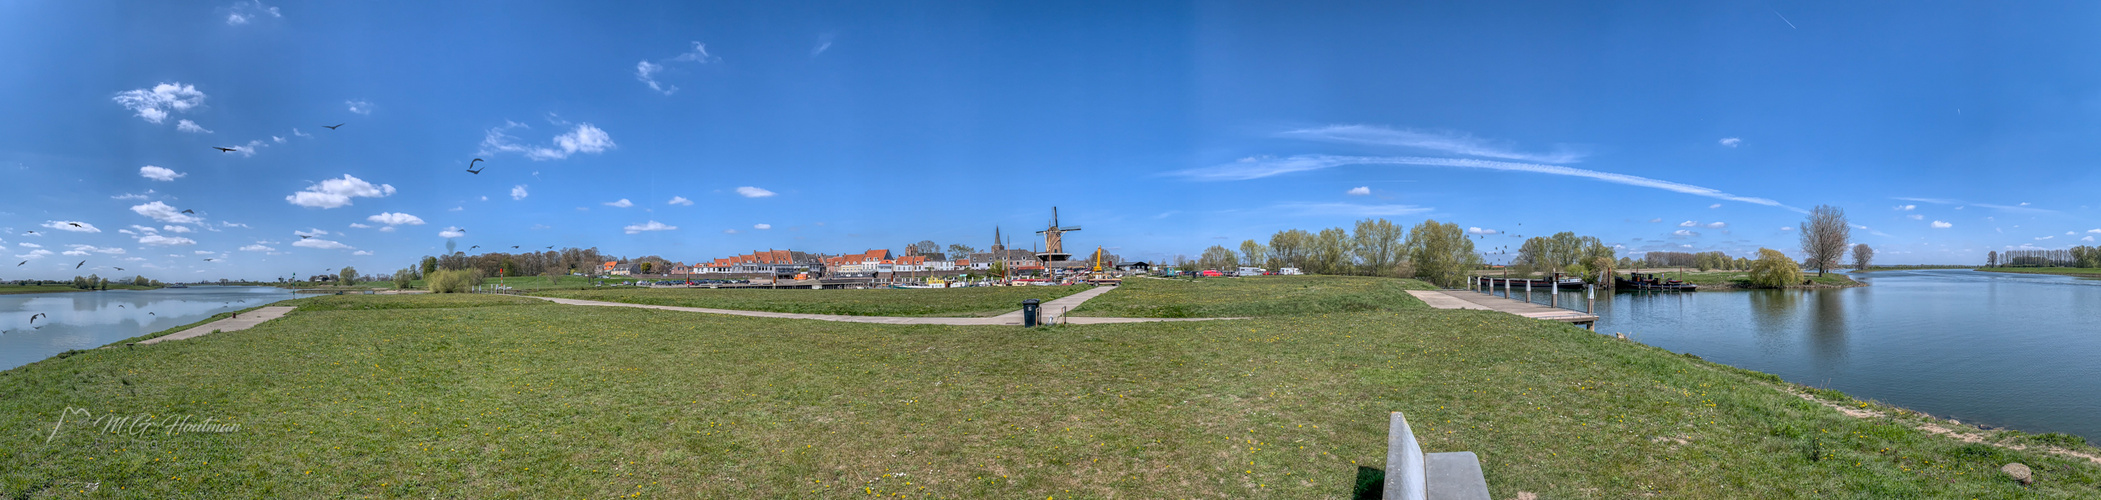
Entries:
{"x":1824,"y":237}
{"x":1991,"y":259}
{"x":1863,"y":256}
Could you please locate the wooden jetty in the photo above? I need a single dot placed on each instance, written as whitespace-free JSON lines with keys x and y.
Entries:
{"x":1464,"y":299}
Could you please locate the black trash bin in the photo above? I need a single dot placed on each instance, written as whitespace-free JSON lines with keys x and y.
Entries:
{"x":1029,"y":309}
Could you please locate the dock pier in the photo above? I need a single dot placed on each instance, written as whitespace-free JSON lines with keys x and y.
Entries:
{"x":1487,"y":301}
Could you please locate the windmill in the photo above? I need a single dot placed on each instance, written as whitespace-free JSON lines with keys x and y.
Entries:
{"x":1054,"y":240}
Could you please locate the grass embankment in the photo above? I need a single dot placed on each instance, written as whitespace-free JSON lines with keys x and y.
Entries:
{"x":973,"y":301}
{"x":2083,"y":272}
{"x":527,"y":283}
{"x":1742,"y":279}
{"x":14,"y":289}
{"x":425,"y":396}
{"x":1253,"y":296}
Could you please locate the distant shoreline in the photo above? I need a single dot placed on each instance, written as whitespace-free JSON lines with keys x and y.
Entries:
{"x":23,"y":290}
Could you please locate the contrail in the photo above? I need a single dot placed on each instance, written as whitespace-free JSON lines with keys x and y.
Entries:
{"x":1790,"y":24}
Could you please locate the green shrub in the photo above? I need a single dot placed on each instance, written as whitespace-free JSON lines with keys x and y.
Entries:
{"x":1774,"y":270}
{"x":453,"y":280}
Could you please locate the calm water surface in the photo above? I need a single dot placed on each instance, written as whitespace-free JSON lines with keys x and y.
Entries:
{"x":87,"y":320}
{"x":2009,"y":350}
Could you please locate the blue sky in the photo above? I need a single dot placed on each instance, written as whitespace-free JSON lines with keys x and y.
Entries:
{"x":1945,"y":130}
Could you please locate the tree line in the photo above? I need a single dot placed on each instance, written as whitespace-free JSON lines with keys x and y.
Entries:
{"x":1436,"y":252}
{"x":2079,"y":256}
{"x":556,"y":262}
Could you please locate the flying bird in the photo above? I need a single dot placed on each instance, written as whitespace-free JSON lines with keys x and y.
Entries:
{"x":189,"y":211}
{"x":471,"y":169}
{"x":225,"y":150}
{"x":549,"y":247}
{"x":514,"y":246}
{"x":150,"y":313}
{"x":32,"y":318}
{"x":82,"y":263}
{"x":304,"y":236}
{"x":74,"y":224}
{"x":474,"y":247}
{"x":207,"y":260}
{"x":120,"y":269}
{"x":20,"y":265}
{"x":331,"y":127}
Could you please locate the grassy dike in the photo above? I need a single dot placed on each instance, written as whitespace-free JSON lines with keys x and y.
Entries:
{"x":490,"y":396}
{"x":2082,"y":272}
{"x":973,"y":301}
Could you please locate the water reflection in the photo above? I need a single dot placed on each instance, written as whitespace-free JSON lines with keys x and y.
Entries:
{"x":86,"y":320}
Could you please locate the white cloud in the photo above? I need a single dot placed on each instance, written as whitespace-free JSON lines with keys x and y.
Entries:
{"x":1916,"y":217}
{"x":1942,"y":225}
{"x":1717,"y":205}
{"x":85,"y":249}
{"x":26,"y":244}
{"x":232,"y":224}
{"x":729,"y":231}
{"x":154,"y":104}
{"x":355,"y":225}
{"x":131,"y":196}
{"x":651,"y":226}
{"x":386,"y":229}
{"x":646,"y":72}
{"x":2044,"y":238}
{"x":752,"y":192}
{"x":202,"y":252}
{"x":699,"y":54}
{"x":164,"y":213}
{"x":359,"y":107}
{"x":2003,"y":208}
{"x":1688,"y":224}
{"x":762,"y":226}
{"x":396,"y":219}
{"x":1256,"y":168}
{"x":1350,"y":209}
{"x":518,"y":192}
{"x":280,"y":140}
{"x":321,"y":244}
{"x":155,"y":239}
{"x":2095,"y":231}
{"x":361,"y":252}
{"x":312,"y":232}
{"x":824,"y":43}
{"x":1717,"y":225}
{"x":2089,"y":238}
{"x":1359,"y":191}
{"x":186,"y":125}
{"x":1476,"y":230}
{"x":1683,"y":232}
{"x":623,"y":203}
{"x":1906,"y":208}
{"x":334,"y":193}
{"x":71,"y":225}
{"x":1730,"y":141}
{"x":1447,"y":142}
{"x":484,"y":198}
{"x":242,"y":12}
{"x":681,"y":200}
{"x":1655,"y":220}
{"x":33,"y":254}
{"x":176,"y":229}
{"x":451,"y":232}
{"x":1787,"y":228}
{"x":257,"y":248}
{"x":159,"y":174}
{"x":583,"y":139}
{"x":2024,"y":203}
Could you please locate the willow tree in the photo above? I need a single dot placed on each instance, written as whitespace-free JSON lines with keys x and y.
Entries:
{"x":1380,"y":246}
{"x":1218,"y":257}
{"x":1253,"y":253}
{"x":1288,"y":248}
{"x":1441,"y":252}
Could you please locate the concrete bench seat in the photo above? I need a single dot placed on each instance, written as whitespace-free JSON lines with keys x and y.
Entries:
{"x":1413,"y":475}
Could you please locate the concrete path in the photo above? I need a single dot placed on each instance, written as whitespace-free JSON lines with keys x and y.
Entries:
{"x":1050,"y":311}
{"x":247,"y":319}
{"x":1462,"y":299}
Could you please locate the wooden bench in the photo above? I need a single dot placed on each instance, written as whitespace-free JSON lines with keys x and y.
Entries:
{"x":1413,"y":475}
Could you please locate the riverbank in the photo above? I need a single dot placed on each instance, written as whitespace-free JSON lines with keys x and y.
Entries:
{"x":478,"y":395}
{"x":2081,"y":272}
{"x":57,"y":288}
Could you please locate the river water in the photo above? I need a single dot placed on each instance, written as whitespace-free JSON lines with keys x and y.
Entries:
{"x":87,"y":320}
{"x":2006,"y":350}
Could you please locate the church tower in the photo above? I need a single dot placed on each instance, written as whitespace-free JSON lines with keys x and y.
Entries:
{"x":996,"y":246}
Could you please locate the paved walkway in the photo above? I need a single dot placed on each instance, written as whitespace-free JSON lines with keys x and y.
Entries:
{"x":248,"y":319}
{"x":1049,"y":310}
{"x":1462,"y":299}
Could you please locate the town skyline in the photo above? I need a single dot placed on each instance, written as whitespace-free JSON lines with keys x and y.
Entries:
{"x":349,"y":133}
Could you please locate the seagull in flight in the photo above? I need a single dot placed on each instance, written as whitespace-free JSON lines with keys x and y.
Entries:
{"x":120,"y":269}
{"x":32,"y":318}
{"x":207,"y":260}
{"x":187,"y":211}
{"x":474,"y":247}
{"x":331,"y":127}
{"x":20,"y":265}
{"x":549,"y":247}
{"x":514,"y":246}
{"x":304,"y":236}
{"x":82,"y":263}
{"x":225,"y":150}
{"x":74,"y":224}
{"x":472,"y":170}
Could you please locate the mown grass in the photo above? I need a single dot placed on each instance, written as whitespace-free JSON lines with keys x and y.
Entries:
{"x":502,"y":399}
{"x":973,"y":301}
{"x":2083,"y":272}
{"x":15,"y":289}
{"x":1253,"y":296}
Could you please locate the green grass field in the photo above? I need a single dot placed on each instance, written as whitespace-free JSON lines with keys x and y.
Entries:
{"x":2083,"y":272}
{"x":519,"y":282}
{"x":974,"y":301}
{"x":1253,"y":296}
{"x":15,"y":289}
{"x":470,"y":396}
